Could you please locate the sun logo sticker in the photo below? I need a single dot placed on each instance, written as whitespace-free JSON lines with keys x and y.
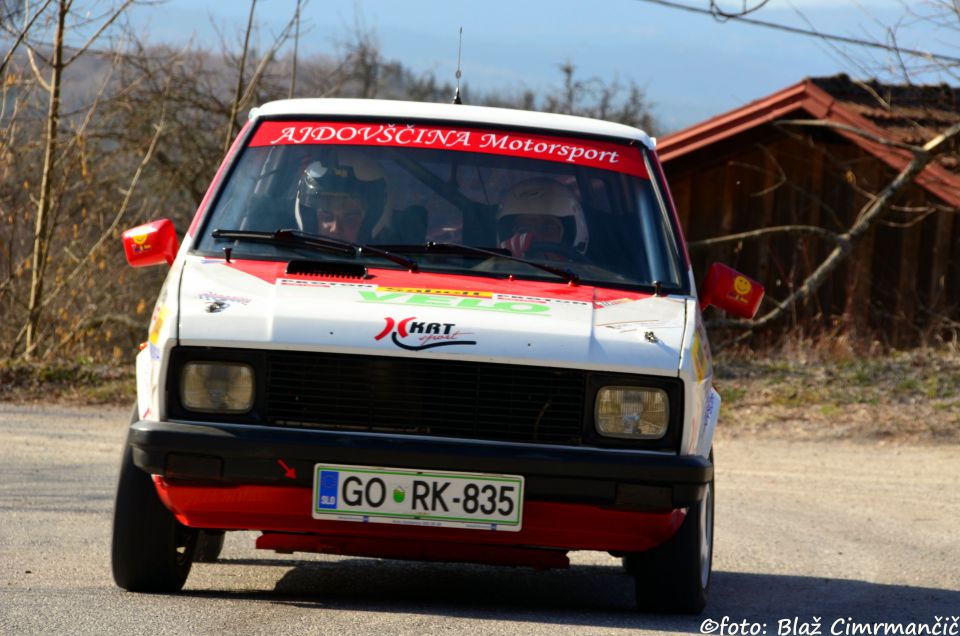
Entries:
{"x":140,"y":244}
{"x":742,"y":288}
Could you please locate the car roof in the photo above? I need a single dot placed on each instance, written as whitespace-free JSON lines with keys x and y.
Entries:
{"x":551,"y":122}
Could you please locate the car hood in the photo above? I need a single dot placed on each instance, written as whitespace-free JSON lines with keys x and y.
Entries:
{"x":254,"y":304}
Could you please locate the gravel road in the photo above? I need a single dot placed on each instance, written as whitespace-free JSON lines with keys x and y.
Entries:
{"x":843,"y":533}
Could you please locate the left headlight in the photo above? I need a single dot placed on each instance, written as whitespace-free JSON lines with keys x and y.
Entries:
{"x":631,"y":412}
{"x":217,"y":387}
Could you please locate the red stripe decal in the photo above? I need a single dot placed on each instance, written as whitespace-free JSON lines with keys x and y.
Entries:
{"x":581,"y":152}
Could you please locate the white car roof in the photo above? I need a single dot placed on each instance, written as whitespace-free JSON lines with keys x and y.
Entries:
{"x":450,"y":112}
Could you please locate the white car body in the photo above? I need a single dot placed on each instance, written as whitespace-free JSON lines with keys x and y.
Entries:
{"x":597,"y":331}
{"x":352,"y":357}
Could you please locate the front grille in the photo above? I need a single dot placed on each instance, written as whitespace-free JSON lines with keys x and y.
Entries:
{"x":447,"y":398}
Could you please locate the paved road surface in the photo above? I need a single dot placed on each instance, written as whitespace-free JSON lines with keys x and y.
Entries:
{"x":842,"y":532}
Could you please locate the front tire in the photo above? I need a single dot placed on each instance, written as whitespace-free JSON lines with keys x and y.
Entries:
{"x":675,"y":577}
{"x":152,"y":551}
{"x":209,"y":546}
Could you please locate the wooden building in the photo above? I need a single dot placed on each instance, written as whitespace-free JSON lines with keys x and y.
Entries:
{"x":752,"y":168}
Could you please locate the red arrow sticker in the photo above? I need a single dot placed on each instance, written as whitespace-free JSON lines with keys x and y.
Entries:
{"x":289,"y":473}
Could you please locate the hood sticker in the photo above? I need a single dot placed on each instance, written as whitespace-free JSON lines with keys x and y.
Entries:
{"x":453,"y":302}
{"x":600,"y":304}
{"x":536,"y":299}
{"x":420,"y":335}
{"x":437,"y":292}
{"x":300,"y":282}
{"x":215,"y":297}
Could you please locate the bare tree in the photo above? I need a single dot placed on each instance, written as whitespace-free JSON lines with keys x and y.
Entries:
{"x":235,"y":106}
{"x":57,"y":64}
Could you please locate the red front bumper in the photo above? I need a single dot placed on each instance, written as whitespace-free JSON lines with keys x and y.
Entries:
{"x":274,"y":509}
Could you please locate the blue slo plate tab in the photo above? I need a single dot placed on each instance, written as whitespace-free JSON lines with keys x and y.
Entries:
{"x":329,"y":481}
{"x":402,"y":496}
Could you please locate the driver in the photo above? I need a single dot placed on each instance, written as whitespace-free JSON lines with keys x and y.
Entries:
{"x":343,"y":199}
{"x":541,"y":213}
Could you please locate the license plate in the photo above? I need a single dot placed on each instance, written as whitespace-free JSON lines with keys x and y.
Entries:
{"x":417,"y":497}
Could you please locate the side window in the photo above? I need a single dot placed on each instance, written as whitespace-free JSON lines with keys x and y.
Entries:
{"x":610,"y":229}
{"x":664,"y":261}
{"x":244,"y":183}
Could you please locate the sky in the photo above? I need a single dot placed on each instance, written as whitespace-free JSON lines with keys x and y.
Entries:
{"x":692,"y":66}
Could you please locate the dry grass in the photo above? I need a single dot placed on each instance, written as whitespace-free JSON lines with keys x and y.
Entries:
{"x":78,"y":382}
{"x":815,"y":394}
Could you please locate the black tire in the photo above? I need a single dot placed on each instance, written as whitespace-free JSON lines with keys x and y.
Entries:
{"x":209,"y":546}
{"x":152,"y":551}
{"x":675,"y":578}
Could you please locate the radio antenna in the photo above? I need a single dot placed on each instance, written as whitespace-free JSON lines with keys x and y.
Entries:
{"x":456,"y":95}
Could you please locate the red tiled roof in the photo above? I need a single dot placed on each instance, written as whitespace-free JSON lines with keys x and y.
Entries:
{"x":906,"y":114}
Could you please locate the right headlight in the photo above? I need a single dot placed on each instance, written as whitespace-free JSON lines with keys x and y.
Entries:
{"x":217,"y":387}
{"x":631,"y":412}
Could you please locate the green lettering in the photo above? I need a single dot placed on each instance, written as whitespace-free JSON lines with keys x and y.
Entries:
{"x":374,"y":297}
{"x":434,"y":301}
{"x":454,"y":302}
{"x":521,"y":308}
{"x":472,"y":303}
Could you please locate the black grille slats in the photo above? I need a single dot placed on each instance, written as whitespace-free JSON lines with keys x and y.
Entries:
{"x":446,"y":398}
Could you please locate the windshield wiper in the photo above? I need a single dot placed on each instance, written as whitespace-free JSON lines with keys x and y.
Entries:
{"x":457,"y":248}
{"x":318,"y":241}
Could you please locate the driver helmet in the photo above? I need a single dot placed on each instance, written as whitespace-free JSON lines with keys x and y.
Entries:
{"x":546,"y":211}
{"x":348,"y":181}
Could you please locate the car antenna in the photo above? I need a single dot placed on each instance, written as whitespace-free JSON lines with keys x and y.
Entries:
{"x":456,"y":94}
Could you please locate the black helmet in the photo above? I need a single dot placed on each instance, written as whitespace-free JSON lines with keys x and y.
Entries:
{"x":350,"y":176}
{"x":319,"y":180}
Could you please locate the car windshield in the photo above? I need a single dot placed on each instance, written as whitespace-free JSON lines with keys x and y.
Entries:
{"x":432,"y":193}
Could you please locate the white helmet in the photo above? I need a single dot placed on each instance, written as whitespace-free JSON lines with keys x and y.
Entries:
{"x":546,"y":197}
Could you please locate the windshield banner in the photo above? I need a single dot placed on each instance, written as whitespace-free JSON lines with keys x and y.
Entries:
{"x":581,"y":152}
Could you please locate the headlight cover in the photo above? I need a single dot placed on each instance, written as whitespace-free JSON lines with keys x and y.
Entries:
{"x":217,"y":387}
{"x":631,"y":412}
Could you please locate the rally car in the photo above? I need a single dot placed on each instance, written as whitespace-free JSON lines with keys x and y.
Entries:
{"x":433,"y":332}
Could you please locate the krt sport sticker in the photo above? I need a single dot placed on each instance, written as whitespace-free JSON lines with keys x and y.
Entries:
{"x":414,"y":335}
{"x":453,"y":302}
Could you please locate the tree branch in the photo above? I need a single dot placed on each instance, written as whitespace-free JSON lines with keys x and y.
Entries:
{"x":45,"y":85}
{"x":756,"y":234}
{"x":103,"y":27}
{"x":819,"y":123}
{"x":235,"y":106}
{"x":21,"y":36}
{"x":117,"y":218}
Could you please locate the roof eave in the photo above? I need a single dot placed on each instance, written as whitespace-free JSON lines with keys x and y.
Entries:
{"x":809,"y":98}
{"x":733,"y":123}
